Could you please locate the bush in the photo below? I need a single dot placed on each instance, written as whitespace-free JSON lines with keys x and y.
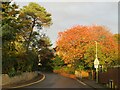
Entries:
{"x":57,"y":68}
{"x":71,"y":72}
{"x":12,"y":72}
{"x":57,"y":62}
{"x":17,"y":64}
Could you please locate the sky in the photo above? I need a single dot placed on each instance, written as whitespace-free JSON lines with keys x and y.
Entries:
{"x":68,"y":14}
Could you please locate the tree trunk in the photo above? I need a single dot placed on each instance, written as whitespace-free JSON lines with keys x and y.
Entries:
{"x":29,"y":39}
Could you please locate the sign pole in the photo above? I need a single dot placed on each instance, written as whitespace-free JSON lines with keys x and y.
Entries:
{"x":96,"y":75}
{"x":96,"y":64}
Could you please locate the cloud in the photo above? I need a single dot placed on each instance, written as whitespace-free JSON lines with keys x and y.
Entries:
{"x":68,"y":14}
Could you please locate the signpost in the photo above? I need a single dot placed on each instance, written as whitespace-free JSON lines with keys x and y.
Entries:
{"x":96,"y":64}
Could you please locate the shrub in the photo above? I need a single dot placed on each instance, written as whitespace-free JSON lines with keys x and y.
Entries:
{"x":57,"y":62}
{"x":12,"y":72}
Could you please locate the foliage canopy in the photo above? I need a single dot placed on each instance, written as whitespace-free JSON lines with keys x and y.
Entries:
{"x":77,"y":45}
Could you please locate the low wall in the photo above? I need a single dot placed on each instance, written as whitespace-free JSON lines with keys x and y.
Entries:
{"x":81,"y":74}
{"x":23,"y":77}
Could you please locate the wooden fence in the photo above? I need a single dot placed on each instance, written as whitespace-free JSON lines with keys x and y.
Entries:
{"x":111,"y":77}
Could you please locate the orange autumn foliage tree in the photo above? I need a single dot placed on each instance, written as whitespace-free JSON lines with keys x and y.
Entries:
{"x":77,"y":45}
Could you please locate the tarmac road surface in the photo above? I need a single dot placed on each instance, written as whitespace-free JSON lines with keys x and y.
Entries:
{"x":53,"y":80}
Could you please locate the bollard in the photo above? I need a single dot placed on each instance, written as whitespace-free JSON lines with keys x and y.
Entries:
{"x":111,"y":83}
{"x":107,"y":85}
{"x":116,"y":87}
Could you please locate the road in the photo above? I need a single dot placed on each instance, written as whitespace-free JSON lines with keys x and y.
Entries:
{"x":53,"y":80}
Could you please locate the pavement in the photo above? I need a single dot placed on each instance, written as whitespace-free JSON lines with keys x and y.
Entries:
{"x":92,"y":83}
{"x":38,"y":82}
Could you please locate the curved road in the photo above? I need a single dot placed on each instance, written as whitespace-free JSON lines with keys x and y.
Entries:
{"x":53,"y":80}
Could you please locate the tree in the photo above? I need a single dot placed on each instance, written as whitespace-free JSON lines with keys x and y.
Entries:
{"x":9,"y":20}
{"x":9,"y":32}
{"x":18,"y":33}
{"x":46,"y":53}
{"x":31,"y":16}
{"x":117,"y":39}
{"x":77,"y":45}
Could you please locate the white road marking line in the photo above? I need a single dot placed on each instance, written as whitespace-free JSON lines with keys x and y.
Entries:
{"x":30,"y":83}
{"x":81,"y":82}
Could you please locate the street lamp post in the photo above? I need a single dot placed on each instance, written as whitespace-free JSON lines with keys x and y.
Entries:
{"x":96,"y":63}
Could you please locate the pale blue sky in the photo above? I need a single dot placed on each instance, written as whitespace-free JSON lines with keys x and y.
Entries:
{"x":68,"y":14}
